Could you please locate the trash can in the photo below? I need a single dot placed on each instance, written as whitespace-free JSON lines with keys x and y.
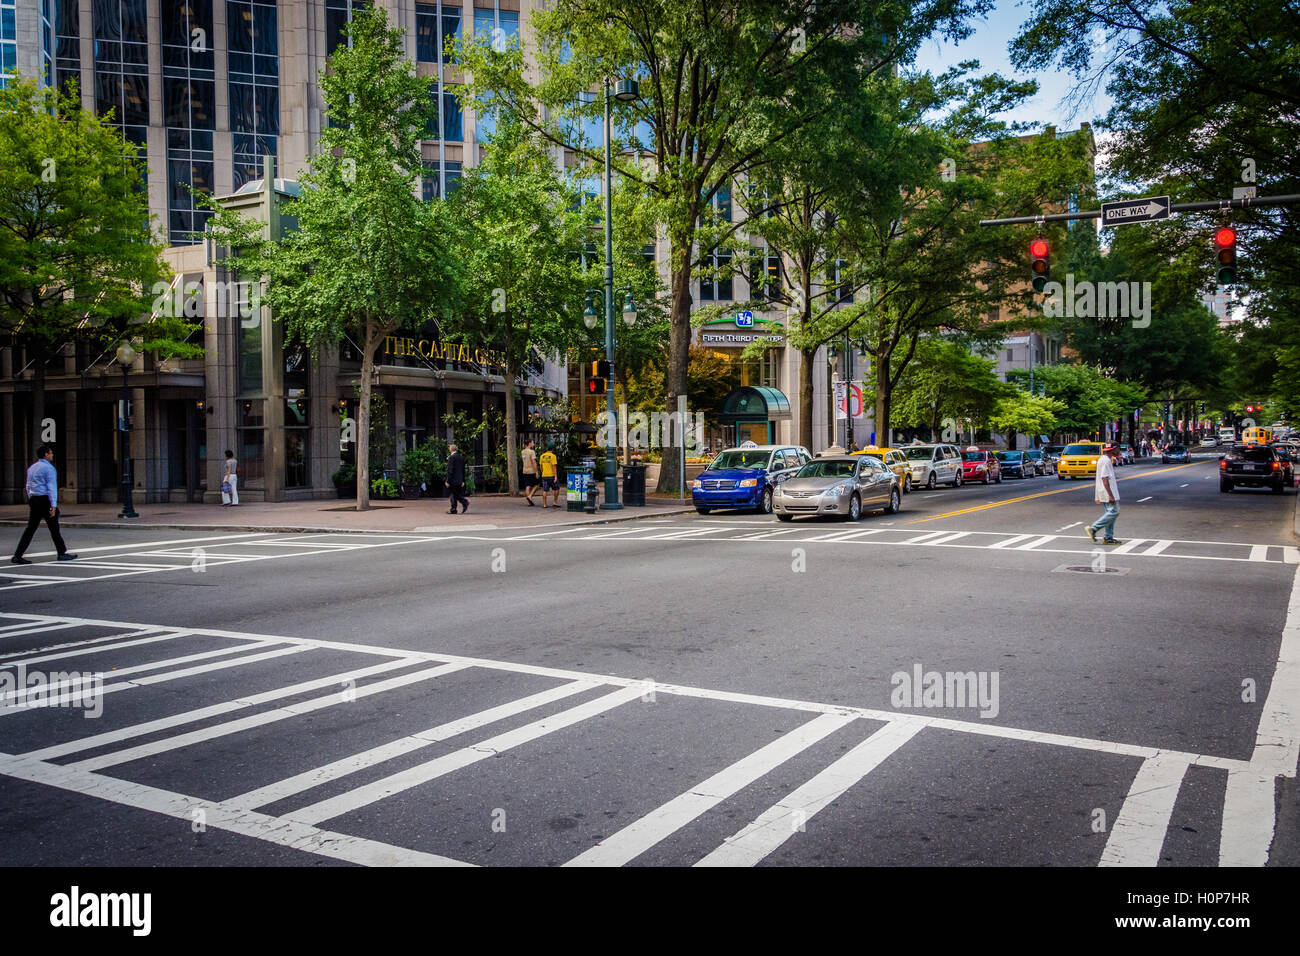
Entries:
{"x":578,"y":480}
{"x":634,"y":485}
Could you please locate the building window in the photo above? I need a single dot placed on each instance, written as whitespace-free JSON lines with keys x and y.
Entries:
{"x":122,"y":66}
{"x":765,"y":277}
{"x":67,"y":42}
{"x":338,"y":14}
{"x":715,"y":281}
{"x":450,"y":32}
{"x":189,"y":113}
{"x":439,"y":182}
{"x":453,"y":117}
{"x":251,"y":27}
{"x":8,"y":40}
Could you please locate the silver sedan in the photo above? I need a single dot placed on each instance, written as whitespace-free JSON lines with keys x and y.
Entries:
{"x":840,"y":485}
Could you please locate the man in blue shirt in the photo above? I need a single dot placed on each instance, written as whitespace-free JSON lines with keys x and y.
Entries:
{"x":43,"y":505}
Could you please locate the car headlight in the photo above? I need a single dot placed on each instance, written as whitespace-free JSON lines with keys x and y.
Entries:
{"x":843,"y":488}
{"x":697,"y":485}
{"x":748,"y":483}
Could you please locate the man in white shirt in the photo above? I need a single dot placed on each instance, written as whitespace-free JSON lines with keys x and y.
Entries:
{"x":1106,"y":492}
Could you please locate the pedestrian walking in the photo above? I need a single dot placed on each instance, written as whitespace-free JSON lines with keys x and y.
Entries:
{"x":42,"y":505}
{"x":550,"y":476}
{"x":1106,"y":492}
{"x":456,"y":480}
{"x":529,"y":459}
{"x":230,"y":480}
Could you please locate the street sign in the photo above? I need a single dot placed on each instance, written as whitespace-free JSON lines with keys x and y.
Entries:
{"x":1135,"y":210}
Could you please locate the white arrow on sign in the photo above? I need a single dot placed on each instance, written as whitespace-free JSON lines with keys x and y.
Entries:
{"x":1135,"y":210}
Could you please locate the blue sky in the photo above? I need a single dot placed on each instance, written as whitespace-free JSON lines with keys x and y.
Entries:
{"x":988,"y":44}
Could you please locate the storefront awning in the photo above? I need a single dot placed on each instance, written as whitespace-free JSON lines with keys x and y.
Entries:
{"x":755,"y":402}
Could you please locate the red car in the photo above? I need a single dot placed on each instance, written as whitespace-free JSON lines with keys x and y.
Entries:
{"x":980,"y":465}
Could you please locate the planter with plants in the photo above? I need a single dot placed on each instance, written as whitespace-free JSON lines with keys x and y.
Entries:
{"x":345,"y":481}
{"x":384,"y":488}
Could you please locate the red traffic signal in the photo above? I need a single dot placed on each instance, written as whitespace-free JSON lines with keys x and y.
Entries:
{"x":1250,"y":408}
{"x":1040,"y":268}
{"x":1225,"y":255}
{"x":1225,"y":237}
{"x":595,"y":386}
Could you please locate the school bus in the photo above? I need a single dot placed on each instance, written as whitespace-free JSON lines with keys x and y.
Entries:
{"x":1257,"y":435}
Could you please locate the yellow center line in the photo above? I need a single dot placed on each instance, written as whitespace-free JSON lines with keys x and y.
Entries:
{"x":1043,"y":494}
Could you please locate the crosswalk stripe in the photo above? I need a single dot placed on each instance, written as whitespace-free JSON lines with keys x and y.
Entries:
{"x":1030,"y":545}
{"x":636,"y":838}
{"x":257,"y":720}
{"x":1138,"y":833}
{"x":219,"y":816}
{"x":1129,"y":545}
{"x":1008,"y":542}
{"x":928,"y":536}
{"x":951,"y":537}
{"x":39,"y":630}
{"x":31,"y":622}
{"x":156,"y":679}
{"x":213,"y":710}
{"x":777,"y":824}
{"x":422,"y":773}
{"x":89,"y":646}
{"x":302,"y":782}
{"x":1157,"y":548}
{"x":1290,"y":555}
{"x":1259,"y":552}
{"x":855,"y":535}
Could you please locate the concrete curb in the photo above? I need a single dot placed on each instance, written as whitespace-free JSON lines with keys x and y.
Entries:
{"x":319,"y":529}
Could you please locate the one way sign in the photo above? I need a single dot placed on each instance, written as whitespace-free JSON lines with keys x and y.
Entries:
{"x":1135,"y":210}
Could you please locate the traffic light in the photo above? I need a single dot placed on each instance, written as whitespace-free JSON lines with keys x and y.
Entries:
{"x":595,"y":386}
{"x":1225,"y":255}
{"x":1039,"y":267}
{"x":597,"y":383}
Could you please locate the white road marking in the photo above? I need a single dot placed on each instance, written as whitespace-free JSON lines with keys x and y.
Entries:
{"x":1011,"y":541}
{"x":39,"y":630}
{"x":1259,"y":552}
{"x":1249,"y":816}
{"x":1291,"y":555}
{"x":422,"y":773}
{"x":259,"y":719}
{"x":930,"y":535}
{"x":299,"y":783}
{"x":1030,"y":545}
{"x":951,"y":537}
{"x":214,"y":710}
{"x":1183,"y":485}
{"x":1156,"y":548}
{"x":156,"y":544}
{"x":1139,"y":830}
{"x":6,"y":659}
{"x":637,"y":837}
{"x":777,"y":824}
{"x":1068,"y":527}
{"x":217,"y":815}
{"x":1147,"y":498}
{"x":1129,"y":545}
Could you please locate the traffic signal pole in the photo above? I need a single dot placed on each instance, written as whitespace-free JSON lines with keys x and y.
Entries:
{"x":1290,"y":199}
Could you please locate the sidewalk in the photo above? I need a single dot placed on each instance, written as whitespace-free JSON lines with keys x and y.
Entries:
{"x":486,"y":513}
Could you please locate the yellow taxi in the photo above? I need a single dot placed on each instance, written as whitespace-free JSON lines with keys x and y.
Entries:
{"x":894,"y":460}
{"x":1079,"y":460}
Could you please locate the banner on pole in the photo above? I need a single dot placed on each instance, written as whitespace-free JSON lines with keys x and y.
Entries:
{"x":848,"y":401}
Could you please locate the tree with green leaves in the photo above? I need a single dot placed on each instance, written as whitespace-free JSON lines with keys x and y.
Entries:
{"x":1090,"y":398}
{"x":721,"y":84}
{"x":368,"y":257}
{"x":77,"y":259}
{"x":945,"y":381}
{"x":1022,"y":413}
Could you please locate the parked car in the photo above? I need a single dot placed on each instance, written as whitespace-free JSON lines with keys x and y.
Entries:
{"x":1053,"y":454}
{"x":1209,"y":441}
{"x":1252,"y":466}
{"x":1014,"y":464}
{"x":1175,"y":454}
{"x":845,"y":486}
{"x":894,"y":460}
{"x":1039,"y":458}
{"x":1079,"y":460}
{"x":980,"y":465}
{"x":746,"y":477}
{"x":1287,"y":455}
{"x":934,"y":465}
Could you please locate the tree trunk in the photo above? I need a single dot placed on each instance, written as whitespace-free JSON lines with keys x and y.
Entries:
{"x":679,"y":344}
{"x":806,"y":398}
{"x":512,"y":477}
{"x":363,"y":421}
{"x":34,"y":436}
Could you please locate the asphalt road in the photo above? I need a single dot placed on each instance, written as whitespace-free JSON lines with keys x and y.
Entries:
{"x":721,"y":689}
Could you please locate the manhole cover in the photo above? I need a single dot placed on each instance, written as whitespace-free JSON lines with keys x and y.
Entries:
{"x":1089,"y":569}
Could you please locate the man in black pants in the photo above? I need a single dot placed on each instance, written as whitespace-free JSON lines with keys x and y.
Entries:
{"x":43,"y":505}
{"x":456,"y":480}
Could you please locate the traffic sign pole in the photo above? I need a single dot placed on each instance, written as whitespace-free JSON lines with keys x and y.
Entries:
{"x":1249,"y":202}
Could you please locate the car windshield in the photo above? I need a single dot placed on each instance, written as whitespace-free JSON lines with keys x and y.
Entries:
{"x":1008,"y":456}
{"x":1053,"y":449}
{"x":923,"y":453}
{"x":1034,"y":454}
{"x":1082,"y":450}
{"x":741,"y":458}
{"x":1176,"y":449}
{"x":1251,"y":454}
{"x":826,"y":469}
{"x":973,"y":455}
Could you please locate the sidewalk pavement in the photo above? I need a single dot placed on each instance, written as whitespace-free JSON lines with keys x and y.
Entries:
{"x":486,"y":513}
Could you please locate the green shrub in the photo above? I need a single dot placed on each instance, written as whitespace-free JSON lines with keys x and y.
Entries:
{"x":383,"y":488}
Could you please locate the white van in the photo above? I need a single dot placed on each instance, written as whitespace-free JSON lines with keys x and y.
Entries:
{"x":1227,"y":435}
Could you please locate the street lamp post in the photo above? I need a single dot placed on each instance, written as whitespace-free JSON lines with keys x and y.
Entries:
{"x":627,"y":91}
{"x":126,"y":358}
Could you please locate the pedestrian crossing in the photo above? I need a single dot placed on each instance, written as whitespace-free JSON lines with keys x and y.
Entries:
{"x":366,"y":735}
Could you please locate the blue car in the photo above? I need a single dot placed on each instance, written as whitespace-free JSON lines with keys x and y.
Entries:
{"x":746,"y":477}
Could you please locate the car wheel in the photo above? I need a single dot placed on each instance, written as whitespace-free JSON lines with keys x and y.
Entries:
{"x":765,"y":502}
{"x":855,"y":508}
{"x":703,"y":511}
{"x":998,"y":479}
{"x":956,"y":480}
{"x":785,"y":517}
{"x":895,"y":502}
{"x":986,"y":477}
{"x":1225,"y":486}
{"x":1062,"y":477}
{"x":931,"y":482}
{"x":907,"y":484}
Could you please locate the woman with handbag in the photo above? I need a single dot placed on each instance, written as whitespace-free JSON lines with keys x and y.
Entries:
{"x":230,"y":481}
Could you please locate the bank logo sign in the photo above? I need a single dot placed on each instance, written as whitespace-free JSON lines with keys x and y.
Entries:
{"x":726,"y":332}
{"x":745,"y":320}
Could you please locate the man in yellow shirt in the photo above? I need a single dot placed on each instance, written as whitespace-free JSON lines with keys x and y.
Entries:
{"x":550,"y":480}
